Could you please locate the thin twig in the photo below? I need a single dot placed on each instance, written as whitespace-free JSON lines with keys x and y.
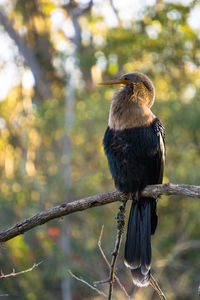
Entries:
{"x":115,"y":12}
{"x":19,"y":273}
{"x":120,"y":230}
{"x":88,"y":284}
{"x":156,"y":287}
{"x":108,"y":264}
{"x":100,"y":248}
{"x":101,"y":281}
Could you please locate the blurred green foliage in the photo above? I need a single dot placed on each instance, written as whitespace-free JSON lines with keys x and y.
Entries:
{"x":161,"y":44}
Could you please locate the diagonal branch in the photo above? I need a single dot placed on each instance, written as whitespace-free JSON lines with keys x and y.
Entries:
{"x":88,"y":284}
{"x":157,"y":289}
{"x":115,"y":12}
{"x":42,"y":84}
{"x":3,"y":276}
{"x":93,"y":201}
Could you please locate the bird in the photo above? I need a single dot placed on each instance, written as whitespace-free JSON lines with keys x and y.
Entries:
{"x":134,"y":143}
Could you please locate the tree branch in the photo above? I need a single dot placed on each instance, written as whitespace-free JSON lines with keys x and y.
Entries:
{"x":93,"y":201}
{"x":3,"y":276}
{"x":108,"y":264}
{"x":88,"y":284}
{"x":155,"y":286}
{"x":120,"y":230}
{"x":42,"y":84}
{"x":115,"y":12}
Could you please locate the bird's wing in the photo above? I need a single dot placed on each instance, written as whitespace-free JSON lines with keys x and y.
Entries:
{"x":160,"y":157}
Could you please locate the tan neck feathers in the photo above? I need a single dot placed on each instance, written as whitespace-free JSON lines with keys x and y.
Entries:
{"x":127,"y":113}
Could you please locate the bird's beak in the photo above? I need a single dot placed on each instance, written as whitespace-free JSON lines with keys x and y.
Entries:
{"x":116,"y":81}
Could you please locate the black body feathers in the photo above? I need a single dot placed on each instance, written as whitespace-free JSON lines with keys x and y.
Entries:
{"x":136,"y":159}
{"x":135,"y":156}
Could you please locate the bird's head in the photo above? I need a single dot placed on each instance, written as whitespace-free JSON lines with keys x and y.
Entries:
{"x":142,"y":88}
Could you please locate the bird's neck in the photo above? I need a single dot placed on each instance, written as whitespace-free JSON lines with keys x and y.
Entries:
{"x":126,"y":114}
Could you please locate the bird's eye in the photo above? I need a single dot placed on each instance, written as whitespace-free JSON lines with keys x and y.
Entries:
{"x":125,"y":78}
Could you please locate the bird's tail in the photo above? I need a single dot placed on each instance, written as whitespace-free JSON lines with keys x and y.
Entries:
{"x":142,"y":223}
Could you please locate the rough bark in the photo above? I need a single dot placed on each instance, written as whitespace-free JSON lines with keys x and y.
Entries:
{"x":93,"y":201}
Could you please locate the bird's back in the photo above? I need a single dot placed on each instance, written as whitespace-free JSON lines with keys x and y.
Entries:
{"x":135,"y":156}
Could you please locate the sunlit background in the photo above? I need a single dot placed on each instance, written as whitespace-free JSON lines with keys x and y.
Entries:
{"x":52,"y":121}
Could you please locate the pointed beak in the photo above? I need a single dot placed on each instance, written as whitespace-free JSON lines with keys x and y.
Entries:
{"x":116,"y":81}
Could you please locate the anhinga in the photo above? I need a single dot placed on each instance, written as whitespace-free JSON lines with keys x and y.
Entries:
{"x":134,"y":146}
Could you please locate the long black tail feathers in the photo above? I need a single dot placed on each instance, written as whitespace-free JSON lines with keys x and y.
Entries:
{"x":142,"y":223}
